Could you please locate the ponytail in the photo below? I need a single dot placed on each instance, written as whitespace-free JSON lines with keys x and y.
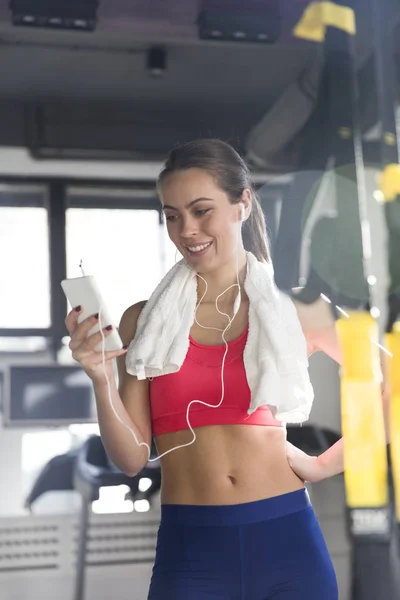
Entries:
{"x":255,"y":237}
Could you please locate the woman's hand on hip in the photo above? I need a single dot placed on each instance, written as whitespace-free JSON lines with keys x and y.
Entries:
{"x":307,"y":467}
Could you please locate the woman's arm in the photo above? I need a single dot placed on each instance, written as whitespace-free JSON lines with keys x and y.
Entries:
{"x":320,"y":331}
{"x":316,"y":468}
{"x":130,"y":400}
{"x":323,"y":337}
{"x":319,"y":328}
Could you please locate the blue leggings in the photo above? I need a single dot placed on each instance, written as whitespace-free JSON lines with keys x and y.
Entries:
{"x":269,"y":549}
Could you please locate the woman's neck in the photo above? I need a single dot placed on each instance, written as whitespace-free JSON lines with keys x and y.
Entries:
{"x":220,"y":280}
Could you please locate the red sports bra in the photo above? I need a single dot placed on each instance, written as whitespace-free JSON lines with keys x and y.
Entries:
{"x":199,"y":378}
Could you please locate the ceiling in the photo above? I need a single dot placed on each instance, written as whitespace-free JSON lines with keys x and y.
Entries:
{"x":109,"y":63}
{"x":96,"y":85}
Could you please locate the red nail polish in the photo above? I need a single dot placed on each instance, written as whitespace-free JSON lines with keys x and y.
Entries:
{"x":109,"y":327}
{"x":78,"y":308}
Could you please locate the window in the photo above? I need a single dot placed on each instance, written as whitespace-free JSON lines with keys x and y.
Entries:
{"x":169,"y":252}
{"x":126,"y":250}
{"x":24,"y":272}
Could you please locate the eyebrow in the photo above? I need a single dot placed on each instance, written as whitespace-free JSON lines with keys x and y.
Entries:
{"x":167,"y":206}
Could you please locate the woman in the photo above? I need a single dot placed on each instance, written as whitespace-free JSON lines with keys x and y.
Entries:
{"x":236,"y":519}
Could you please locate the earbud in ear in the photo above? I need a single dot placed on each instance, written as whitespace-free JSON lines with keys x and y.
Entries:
{"x":242,"y":212}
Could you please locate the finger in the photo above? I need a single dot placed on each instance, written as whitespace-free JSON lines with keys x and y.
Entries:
{"x":109,"y":356}
{"x":71,"y":319}
{"x":97,"y":338}
{"x":94,"y":360}
{"x":88,"y":346}
{"x":80,"y":335}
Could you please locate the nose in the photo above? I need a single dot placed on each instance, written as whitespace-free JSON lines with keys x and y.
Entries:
{"x":189,"y":226}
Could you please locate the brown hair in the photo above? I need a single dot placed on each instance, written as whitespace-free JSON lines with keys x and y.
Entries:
{"x":232,"y":176}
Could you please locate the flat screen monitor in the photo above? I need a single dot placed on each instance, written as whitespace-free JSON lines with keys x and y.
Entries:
{"x":47,"y":395}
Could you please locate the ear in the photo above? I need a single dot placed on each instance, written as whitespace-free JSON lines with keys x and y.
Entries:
{"x":247,"y":203}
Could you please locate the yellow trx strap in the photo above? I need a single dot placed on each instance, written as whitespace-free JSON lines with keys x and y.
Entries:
{"x":393,"y":344}
{"x":320,"y":15}
{"x":365,"y":458}
{"x":390,"y":182}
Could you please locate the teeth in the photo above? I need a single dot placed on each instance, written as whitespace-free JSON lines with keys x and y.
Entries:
{"x":198,"y":248}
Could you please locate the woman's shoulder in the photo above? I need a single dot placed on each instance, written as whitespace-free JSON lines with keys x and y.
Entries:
{"x":319,"y":328}
{"x":130,"y":317}
{"x":134,"y":309}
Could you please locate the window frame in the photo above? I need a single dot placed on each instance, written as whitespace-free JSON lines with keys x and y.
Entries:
{"x":112,"y":194}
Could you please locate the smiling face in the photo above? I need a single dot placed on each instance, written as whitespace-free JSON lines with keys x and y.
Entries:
{"x":201,"y":221}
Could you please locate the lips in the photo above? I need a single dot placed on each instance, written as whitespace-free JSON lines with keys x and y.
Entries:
{"x":198,"y":249}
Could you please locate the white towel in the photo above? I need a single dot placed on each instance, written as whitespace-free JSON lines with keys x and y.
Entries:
{"x":275,"y":355}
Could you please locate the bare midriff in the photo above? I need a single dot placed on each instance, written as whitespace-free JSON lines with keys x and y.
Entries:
{"x":227,"y":464}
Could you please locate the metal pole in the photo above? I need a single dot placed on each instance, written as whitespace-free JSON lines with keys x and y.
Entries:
{"x":79,"y":593}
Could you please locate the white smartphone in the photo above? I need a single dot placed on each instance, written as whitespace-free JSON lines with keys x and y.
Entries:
{"x":84,"y":292}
